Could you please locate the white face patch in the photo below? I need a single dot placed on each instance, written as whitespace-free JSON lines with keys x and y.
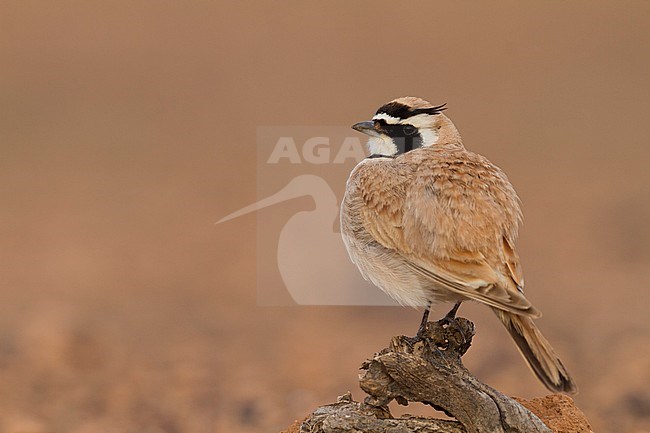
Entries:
{"x":381,"y":145}
{"x":429,"y":136}
{"x":420,"y":121}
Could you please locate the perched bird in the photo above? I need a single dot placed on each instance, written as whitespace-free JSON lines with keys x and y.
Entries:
{"x":426,"y":220}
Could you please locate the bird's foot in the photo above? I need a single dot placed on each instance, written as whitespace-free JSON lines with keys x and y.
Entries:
{"x":450,"y":320}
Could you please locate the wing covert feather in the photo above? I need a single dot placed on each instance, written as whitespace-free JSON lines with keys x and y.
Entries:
{"x":456,"y":240}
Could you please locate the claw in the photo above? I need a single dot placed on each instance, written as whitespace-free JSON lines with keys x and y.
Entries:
{"x":450,"y":318}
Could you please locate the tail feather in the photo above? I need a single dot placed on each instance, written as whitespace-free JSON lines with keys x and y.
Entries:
{"x":537,"y":351}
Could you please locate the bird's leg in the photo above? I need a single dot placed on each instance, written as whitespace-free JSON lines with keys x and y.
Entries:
{"x":421,"y":331}
{"x":452,"y":313}
{"x":423,"y":323}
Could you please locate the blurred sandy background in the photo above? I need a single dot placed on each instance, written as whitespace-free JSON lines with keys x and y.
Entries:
{"x":128,"y":128}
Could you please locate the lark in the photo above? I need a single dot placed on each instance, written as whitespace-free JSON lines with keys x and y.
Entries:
{"x":428,"y":221}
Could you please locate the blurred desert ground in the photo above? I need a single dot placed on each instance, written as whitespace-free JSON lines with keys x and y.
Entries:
{"x":128,"y":128}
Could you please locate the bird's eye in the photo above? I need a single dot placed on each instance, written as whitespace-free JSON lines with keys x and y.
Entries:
{"x":409,"y":129}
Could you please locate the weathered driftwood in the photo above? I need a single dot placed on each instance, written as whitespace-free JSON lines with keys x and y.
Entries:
{"x":347,"y":415}
{"x":426,"y":369}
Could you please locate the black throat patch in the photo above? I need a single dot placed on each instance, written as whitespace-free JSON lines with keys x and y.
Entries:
{"x":376,"y":155}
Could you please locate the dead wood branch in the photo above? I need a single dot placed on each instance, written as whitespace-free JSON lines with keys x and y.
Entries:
{"x":429,"y":370}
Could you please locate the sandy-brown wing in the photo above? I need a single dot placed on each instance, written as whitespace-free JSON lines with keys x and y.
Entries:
{"x":477,"y":281}
{"x":512,"y":263}
{"x":405,"y":216}
{"x":460,"y":211}
{"x":382,"y":188}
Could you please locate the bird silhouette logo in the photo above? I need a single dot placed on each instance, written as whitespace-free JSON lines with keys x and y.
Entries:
{"x":311,"y":257}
